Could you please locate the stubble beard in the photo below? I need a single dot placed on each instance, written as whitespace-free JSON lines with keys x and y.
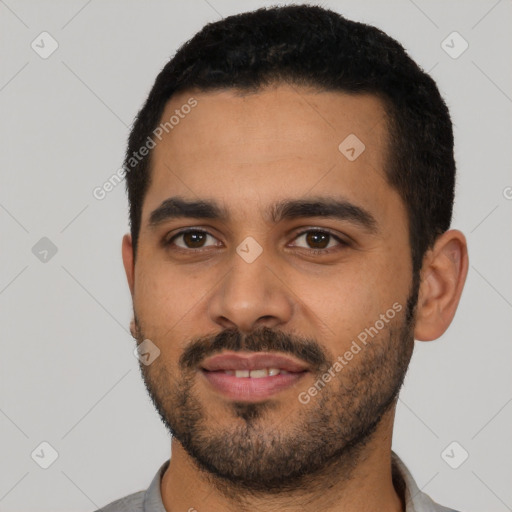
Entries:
{"x":262,"y":453}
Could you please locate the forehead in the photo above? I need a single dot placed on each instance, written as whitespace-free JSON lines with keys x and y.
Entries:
{"x":283,"y":141}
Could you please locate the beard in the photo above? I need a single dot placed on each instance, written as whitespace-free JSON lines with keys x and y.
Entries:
{"x":257,"y":450}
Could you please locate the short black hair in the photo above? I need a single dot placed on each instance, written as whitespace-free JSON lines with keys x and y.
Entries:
{"x":311,"y":46}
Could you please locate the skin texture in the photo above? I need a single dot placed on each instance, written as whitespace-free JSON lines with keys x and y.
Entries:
{"x":247,"y":152}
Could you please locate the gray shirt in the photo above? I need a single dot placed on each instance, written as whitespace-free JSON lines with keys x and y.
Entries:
{"x":150,"y":500}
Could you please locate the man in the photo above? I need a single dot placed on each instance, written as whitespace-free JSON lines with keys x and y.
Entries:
{"x":291,"y":182}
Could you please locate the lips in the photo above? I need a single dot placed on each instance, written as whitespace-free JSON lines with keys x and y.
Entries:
{"x":252,"y":377}
{"x":254,"y":361}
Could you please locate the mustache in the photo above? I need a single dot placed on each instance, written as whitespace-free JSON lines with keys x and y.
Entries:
{"x":263,"y":339}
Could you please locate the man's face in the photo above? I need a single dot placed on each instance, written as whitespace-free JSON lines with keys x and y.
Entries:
{"x":285,"y":281}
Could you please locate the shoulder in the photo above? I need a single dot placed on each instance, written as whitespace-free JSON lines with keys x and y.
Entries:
{"x":149,"y":499}
{"x":131,"y":503}
{"x":415,"y":500}
{"x":425,"y":503}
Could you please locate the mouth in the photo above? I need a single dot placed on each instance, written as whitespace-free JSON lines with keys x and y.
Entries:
{"x":252,"y":377}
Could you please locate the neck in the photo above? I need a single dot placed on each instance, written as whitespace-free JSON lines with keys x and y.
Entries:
{"x":359,"y":482}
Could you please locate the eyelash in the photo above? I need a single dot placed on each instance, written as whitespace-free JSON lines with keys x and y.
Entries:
{"x":342,"y":243}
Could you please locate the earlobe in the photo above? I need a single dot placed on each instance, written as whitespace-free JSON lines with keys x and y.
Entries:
{"x":128,"y":260}
{"x":443,"y":275}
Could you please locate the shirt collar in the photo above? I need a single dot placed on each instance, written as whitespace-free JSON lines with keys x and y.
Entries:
{"x":415,"y":499}
{"x":153,"y":496}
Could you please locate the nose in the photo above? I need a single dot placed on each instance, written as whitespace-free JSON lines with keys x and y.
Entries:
{"x":251,"y":295}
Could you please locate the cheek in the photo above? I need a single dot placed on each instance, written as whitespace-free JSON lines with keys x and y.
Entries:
{"x":160,"y":298}
{"x":354,"y":296}
{"x":159,"y":310}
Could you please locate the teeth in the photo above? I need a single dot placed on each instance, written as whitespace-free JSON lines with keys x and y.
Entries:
{"x":256,"y":374}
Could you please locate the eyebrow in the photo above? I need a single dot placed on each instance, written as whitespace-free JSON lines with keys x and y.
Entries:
{"x":177,"y":207}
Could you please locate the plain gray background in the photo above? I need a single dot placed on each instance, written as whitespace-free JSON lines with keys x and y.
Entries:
{"x":68,"y":375}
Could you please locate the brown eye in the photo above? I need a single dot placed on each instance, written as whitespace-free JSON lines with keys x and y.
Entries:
{"x":194,"y":239}
{"x":190,"y":239}
{"x":319,"y":240}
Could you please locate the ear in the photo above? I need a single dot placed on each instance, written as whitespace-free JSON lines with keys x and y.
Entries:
{"x":128,"y":261}
{"x":443,"y":275}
